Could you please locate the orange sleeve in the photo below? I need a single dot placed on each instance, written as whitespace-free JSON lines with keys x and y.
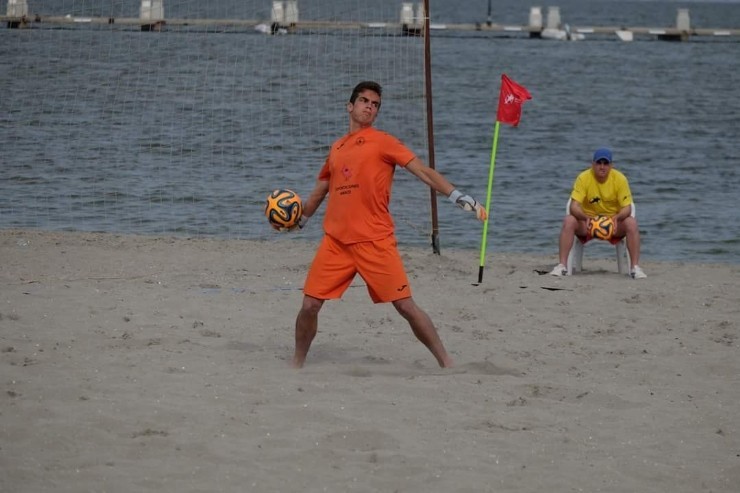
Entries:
{"x":324,"y":173}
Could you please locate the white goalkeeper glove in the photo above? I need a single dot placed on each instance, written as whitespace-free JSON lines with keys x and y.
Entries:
{"x":467,"y":203}
{"x":302,"y":221}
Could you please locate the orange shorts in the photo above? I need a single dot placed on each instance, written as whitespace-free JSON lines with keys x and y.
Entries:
{"x":378,"y":262}
{"x":613,"y":240}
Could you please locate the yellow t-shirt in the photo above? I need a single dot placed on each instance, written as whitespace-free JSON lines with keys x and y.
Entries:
{"x":606,"y":198}
{"x":360,"y":169}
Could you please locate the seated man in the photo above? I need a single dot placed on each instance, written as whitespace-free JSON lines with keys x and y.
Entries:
{"x":600,"y":191}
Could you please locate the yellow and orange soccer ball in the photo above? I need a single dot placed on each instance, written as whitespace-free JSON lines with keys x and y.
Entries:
{"x":283,"y":208}
{"x":601,"y":227}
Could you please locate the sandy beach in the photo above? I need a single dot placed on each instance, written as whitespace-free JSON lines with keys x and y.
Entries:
{"x":162,"y":365}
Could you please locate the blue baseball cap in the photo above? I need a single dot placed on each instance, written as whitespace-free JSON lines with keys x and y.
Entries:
{"x":603,"y":153}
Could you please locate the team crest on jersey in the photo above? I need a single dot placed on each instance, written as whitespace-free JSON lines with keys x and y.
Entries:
{"x":346,"y":172}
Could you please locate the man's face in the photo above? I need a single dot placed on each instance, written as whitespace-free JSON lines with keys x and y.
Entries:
{"x":601,"y":169}
{"x":365,"y":108}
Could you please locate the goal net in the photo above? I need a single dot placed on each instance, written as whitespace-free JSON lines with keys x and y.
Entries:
{"x":177,"y":117}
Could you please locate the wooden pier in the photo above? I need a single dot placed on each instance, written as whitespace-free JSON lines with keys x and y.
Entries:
{"x":308,"y":26}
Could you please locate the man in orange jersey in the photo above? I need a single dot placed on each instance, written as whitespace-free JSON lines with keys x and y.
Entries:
{"x":359,"y":232}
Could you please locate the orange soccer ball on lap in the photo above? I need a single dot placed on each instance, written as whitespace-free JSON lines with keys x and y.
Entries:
{"x":601,"y":227}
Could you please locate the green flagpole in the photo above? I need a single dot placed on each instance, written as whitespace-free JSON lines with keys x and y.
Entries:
{"x":488,"y":204}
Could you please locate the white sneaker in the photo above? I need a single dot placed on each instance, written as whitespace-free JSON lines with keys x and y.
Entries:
{"x":637,"y":273}
{"x":560,"y":270}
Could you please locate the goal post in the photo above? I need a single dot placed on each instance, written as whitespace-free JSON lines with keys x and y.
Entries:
{"x":177,"y":117}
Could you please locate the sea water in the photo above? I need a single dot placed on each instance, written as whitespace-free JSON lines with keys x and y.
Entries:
{"x":670,"y":112}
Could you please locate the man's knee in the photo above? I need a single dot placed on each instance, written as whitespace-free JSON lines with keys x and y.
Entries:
{"x":570,"y":224}
{"x":311,"y":305}
{"x":405,"y":307}
{"x":629,"y":226}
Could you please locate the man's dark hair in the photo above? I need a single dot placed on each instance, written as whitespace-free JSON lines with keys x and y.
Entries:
{"x":364,"y":86}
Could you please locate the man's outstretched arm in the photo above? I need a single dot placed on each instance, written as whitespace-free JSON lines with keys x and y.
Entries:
{"x":438,"y":182}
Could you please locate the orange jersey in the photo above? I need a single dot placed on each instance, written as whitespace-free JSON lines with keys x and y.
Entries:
{"x":360,"y":169}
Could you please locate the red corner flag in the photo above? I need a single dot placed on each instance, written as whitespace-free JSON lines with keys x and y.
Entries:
{"x":510,"y":101}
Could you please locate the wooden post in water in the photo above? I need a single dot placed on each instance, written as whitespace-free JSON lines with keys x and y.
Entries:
{"x":278,"y":12}
{"x":284,"y":16}
{"x":291,"y":13}
{"x":683,"y":24}
{"x":535,"y":22}
{"x":151,"y":14}
{"x":18,"y":10}
{"x":407,"y":13}
{"x":277,"y":17}
{"x":409,"y":22}
{"x":553,"y":18}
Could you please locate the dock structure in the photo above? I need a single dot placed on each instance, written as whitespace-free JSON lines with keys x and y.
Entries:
{"x":17,"y":14}
{"x":285,"y":20}
{"x":412,"y":23}
{"x":151,"y":15}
